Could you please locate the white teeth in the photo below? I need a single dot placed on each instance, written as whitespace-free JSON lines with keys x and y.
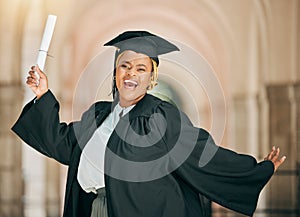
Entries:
{"x":131,"y":82}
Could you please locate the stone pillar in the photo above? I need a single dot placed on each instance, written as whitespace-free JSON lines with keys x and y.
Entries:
{"x":245,"y":124}
{"x":11,"y":179}
{"x":246,"y":128}
{"x":283,"y":185}
{"x":297,"y":106}
{"x":53,"y":200}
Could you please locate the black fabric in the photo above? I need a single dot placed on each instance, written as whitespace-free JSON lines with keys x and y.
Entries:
{"x":230,"y":179}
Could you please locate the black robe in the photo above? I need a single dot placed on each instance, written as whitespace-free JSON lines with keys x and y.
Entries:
{"x":156,"y":163}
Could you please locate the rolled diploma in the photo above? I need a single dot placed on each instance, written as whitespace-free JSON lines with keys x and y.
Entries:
{"x":47,"y":36}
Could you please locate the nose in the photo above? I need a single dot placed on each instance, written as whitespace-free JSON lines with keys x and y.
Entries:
{"x":131,"y":72}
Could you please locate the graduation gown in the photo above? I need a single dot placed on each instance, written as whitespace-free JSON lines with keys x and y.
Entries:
{"x":156,"y":162}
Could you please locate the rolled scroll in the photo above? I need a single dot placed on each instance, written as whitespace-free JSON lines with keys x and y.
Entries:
{"x":45,"y":43}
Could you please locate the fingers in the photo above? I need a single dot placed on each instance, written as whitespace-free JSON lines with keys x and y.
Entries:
{"x":273,"y":156}
{"x":282,"y":160}
{"x":35,"y":75}
{"x":39,"y":71}
{"x":277,"y":163}
{"x":37,"y":81}
{"x":32,"y":79}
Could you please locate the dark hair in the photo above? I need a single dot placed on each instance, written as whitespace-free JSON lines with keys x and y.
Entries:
{"x":114,"y":90}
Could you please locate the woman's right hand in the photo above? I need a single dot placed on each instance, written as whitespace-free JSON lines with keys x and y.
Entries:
{"x":38,"y":85}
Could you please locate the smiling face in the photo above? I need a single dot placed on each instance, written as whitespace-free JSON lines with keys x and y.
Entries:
{"x":133,"y":75}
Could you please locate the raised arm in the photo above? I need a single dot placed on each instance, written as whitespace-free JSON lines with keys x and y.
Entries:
{"x":39,"y":124}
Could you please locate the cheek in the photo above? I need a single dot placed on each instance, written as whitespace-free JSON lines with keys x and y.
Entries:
{"x":145,"y":80}
{"x":118,"y":78}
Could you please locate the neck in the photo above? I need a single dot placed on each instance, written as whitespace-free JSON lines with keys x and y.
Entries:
{"x":126,"y":103}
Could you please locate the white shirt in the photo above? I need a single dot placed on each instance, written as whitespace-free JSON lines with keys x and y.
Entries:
{"x":91,"y":165}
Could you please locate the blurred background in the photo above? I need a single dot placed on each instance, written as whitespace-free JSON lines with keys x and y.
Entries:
{"x":252,"y":49}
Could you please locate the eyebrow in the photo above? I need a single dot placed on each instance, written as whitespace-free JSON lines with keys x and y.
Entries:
{"x":128,"y":62}
{"x":141,"y":65}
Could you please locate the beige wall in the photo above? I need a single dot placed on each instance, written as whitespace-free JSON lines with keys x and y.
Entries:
{"x":252,"y":47}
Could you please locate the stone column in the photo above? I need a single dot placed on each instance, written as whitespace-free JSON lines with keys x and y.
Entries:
{"x":245,"y":124}
{"x":297,"y":108}
{"x":11,"y":178}
{"x":246,"y":128}
{"x":283,"y":185}
{"x":52,"y":193}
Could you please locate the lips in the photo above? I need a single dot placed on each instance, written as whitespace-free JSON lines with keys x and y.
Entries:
{"x":130,"y":84}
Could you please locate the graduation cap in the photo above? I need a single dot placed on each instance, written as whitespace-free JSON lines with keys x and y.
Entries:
{"x":142,"y":42}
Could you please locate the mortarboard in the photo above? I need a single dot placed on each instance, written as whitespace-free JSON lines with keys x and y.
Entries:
{"x":142,"y":42}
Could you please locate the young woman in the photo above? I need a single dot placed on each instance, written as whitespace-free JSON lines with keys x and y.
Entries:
{"x":139,"y":156}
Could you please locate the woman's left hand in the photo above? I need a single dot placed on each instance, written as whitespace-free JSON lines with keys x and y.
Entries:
{"x":274,"y":157}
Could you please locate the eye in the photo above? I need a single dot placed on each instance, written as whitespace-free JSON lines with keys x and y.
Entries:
{"x":125,"y":66}
{"x":141,"y":70}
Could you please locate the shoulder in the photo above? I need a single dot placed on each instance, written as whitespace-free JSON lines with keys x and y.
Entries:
{"x":97,"y":108}
{"x":151,"y":104}
{"x":158,"y":103}
{"x":170,"y":112}
{"x":102,"y":105}
{"x":162,"y":106}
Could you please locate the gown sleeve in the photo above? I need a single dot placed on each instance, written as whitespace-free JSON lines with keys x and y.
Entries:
{"x":232,"y":180}
{"x":39,"y":126}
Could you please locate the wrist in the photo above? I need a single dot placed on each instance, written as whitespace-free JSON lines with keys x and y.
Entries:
{"x":41,"y":94}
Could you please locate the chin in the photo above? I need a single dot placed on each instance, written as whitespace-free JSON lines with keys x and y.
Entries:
{"x":131,"y":97}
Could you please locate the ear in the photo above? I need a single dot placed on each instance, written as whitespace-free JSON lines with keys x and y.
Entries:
{"x":152,"y":82}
